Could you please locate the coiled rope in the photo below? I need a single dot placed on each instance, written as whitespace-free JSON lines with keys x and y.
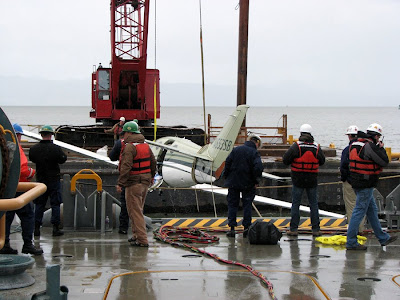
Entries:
{"x":182,"y":236}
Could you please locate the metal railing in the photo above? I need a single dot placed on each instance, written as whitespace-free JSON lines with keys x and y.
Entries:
{"x":278,"y":137}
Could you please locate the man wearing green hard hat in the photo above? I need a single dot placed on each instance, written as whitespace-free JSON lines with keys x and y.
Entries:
{"x":47,"y":156}
{"x":137,"y":167}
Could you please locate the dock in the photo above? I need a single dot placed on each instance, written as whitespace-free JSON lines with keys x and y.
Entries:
{"x":105,"y":266}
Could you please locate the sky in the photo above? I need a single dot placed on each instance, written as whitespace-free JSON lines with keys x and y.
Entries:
{"x":300,"y":53}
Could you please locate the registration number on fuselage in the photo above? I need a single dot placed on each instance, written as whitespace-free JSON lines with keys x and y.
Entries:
{"x":222,"y":144}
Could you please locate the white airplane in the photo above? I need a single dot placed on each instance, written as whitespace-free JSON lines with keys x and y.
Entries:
{"x":182,"y":163}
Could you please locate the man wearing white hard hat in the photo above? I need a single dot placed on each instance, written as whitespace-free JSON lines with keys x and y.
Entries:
{"x":367,"y":158}
{"x":305,"y":157}
{"x":116,"y":129}
{"x":349,"y":196}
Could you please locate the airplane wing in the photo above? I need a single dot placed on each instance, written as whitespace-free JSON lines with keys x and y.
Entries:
{"x":73,"y":148}
{"x":275,"y":177}
{"x":265,"y":200}
{"x":180,"y":151}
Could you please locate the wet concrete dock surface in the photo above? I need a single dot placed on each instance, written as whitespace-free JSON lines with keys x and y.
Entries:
{"x":105,"y":266}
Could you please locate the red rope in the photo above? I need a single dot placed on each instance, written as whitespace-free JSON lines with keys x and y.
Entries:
{"x":181,"y":236}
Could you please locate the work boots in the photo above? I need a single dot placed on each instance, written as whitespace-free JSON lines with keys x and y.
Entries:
{"x":8,"y":250}
{"x":37,"y":229}
{"x":231,"y":233}
{"x":57,"y":231}
{"x":28,"y":248}
{"x":245,"y":232}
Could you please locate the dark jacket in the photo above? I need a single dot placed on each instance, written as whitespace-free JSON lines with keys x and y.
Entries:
{"x":370,"y":152}
{"x":303,"y":179}
{"x":344,"y":164}
{"x":243,"y":167}
{"x":115,"y":151}
{"x":126,"y":179}
{"x":47,"y":156}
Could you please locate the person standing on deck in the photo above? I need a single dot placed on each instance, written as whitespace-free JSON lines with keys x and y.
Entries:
{"x":123,"y":215}
{"x":243,"y":167}
{"x":116,"y":129}
{"x":367,"y":158}
{"x":305,"y":157}
{"x":47,"y":156}
{"x":349,"y":196}
{"x":137,"y":167}
{"x":25,"y":214}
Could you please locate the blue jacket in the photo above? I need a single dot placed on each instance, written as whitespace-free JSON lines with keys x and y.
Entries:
{"x":243,"y":167}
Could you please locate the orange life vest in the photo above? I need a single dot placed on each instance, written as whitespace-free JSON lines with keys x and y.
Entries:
{"x":359,"y":165}
{"x":118,"y":130}
{"x":307,"y":161}
{"x":141,"y":162}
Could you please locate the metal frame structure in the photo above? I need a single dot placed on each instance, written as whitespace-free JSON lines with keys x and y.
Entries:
{"x":127,"y":88}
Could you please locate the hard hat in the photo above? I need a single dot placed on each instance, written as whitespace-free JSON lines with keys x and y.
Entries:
{"x":46,"y":128}
{"x":17,"y":128}
{"x":131,"y":127}
{"x":353,"y":129}
{"x":375,"y":128}
{"x":254,"y":136}
{"x":306,"y":128}
{"x":122,"y":119}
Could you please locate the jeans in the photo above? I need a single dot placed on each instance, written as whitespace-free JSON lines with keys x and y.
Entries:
{"x":365,"y":205}
{"x":54,"y":192}
{"x":233,"y":205}
{"x":297,"y":193}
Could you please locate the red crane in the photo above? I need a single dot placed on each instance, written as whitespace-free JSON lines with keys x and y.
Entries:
{"x":127,"y":88}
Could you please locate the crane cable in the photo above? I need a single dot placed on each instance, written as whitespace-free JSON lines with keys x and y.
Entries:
{"x":182,"y":236}
{"x":202,"y":75}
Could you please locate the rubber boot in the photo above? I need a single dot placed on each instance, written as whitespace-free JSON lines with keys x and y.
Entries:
{"x":29,"y":248}
{"x":8,"y":250}
{"x":57,"y":231}
{"x":231,"y":233}
{"x":37,"y":229}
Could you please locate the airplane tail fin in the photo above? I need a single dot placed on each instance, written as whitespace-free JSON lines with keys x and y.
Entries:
{"x":219,"y":150}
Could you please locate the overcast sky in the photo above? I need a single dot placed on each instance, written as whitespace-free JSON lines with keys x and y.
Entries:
{"x":300,"y":52}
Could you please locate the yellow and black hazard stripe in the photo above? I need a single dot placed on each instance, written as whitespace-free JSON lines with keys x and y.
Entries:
{"x":281,"y":223}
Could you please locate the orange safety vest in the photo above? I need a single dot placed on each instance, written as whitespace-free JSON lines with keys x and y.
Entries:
{"x":141,"y":162}
{"x":118,"y":130}
{"x":26,"y":172}
{"x":359,"y":165}
{"x":307,"y":161}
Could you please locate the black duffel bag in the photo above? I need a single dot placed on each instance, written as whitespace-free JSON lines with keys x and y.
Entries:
{"x":264,"y":233}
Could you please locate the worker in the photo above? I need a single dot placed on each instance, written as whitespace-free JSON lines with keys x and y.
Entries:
{"x":137,"y":167}
{"x":367,"y":158}
{"x":305,"y":157}
{"x":349,"y":196}
{"x":47,"y":156}
{"x":25,"y":214}
{"x":116,"y":129}
{"x":243,"y":169}
{"x":123,"y":215}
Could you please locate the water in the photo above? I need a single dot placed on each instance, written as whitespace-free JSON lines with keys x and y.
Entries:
{"x":329,"y":123}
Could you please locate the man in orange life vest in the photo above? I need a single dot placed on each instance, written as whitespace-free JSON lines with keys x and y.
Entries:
{"x":137,"y":167}
{"x":305,"y":157}
{"x":349,"y":196}
{"x":116,"y":129}
{"x":367,"y":157}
